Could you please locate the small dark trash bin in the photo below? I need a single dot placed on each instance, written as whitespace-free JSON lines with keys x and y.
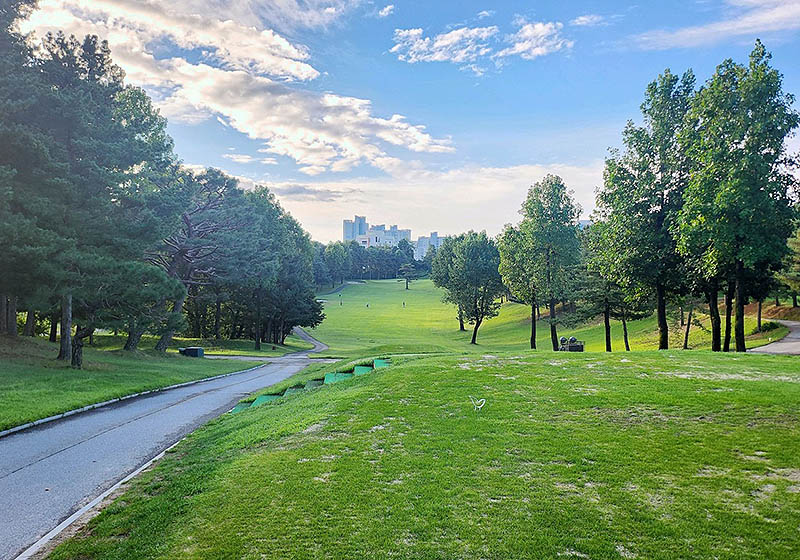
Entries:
{"x":192,"y":351}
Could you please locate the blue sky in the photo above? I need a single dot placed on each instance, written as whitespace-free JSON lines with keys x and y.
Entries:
{"x":432,"y":115}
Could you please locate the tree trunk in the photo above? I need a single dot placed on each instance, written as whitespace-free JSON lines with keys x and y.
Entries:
{"x":11,"y":316}
{"x":166,"y":338}
{"x":741,"y":296}
{"x":777,"y":301}
{"x":30,"y":324}
{"x":406,"y":283}
{"x":683,"y":318}
{"x":553,"y":330}
{"x":65,"y":350}
{"x":607,"y":326}
{"x":688,"y":326}
{"x":794,"y":299}
{"x":758,"y":319}
{"x":713,"y":311}
{"x":661,"y":309}
{"x":134,"y":337}
{"x":258,"y":325}
{"x":726,"y":344}
{"x":54,"y":327}
{"x":461,"y":320}
{"x":533,"y":325}
{"x":625,"y":332}
{"x":217,"y":314}
{"x":77,"y":345}
{"x":475,"y":332}
{"x":3,"y":313}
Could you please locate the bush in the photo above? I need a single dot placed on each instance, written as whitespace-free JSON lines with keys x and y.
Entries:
{"x":766,"y":327}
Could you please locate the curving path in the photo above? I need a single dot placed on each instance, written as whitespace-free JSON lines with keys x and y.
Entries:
{"x":790,"y":344}
{"x":50,"y":471}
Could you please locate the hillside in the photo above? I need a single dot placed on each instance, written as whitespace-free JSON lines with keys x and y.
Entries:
{"x":427,"y":324}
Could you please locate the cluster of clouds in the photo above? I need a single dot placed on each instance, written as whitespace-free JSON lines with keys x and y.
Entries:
{"x":473,"y":47}
{"x":248,"y":78}
{"x":745,"y":18}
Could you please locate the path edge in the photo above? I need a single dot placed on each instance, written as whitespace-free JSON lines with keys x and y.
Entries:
{"x":89,"y":407}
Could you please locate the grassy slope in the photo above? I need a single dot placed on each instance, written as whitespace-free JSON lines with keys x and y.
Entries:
{"x":427,"y":324}
{"x":223,"y":347}
{"x":646,"y":455}
{"x":34,"y":385}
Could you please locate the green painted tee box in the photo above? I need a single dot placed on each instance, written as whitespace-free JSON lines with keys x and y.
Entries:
{"x":336,"y":377}
{"x":361,"y":370}
{"x":263,"y":399}
{"x":293,"y":390}
{"x":382,"y":363}
{"x":314,"y":383}
{"x":240,"y":407}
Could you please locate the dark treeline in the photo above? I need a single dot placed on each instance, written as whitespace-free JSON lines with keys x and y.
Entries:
{"x":339,"y":261}
{"x":102,"y":227}
{"x":698,"y":206}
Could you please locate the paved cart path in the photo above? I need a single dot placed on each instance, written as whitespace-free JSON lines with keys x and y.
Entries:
{"x":50,"y":471}
{"x":790,"y":344}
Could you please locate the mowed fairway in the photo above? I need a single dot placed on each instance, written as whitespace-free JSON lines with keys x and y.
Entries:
{"x":426,"y":324}
{"x":643,"y":455}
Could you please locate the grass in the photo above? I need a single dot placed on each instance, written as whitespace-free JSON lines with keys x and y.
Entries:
{"x":605,"y":456}
{"x":426,"y":324}
{"x":222,"y":347}
{"x":34,"y":385}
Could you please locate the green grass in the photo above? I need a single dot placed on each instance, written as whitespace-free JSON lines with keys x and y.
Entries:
{"x":222,"y":347}
{"x":604,"y":456}
{"x":428,"y":325}
{"x":34,"y":385}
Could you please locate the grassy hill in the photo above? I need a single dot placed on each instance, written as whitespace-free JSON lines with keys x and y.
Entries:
{"x":34,"y":385}
{"x":644,"y":455}
{"x":426,"y":324}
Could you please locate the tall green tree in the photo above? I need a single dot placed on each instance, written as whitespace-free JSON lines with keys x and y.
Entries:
{"x":476,"y":283}
{"x":518,"y":267}
{"x":442,"y":273}
{"x":642,"y":196}
{"x":550,"y":222}
{"x":738,"y":212}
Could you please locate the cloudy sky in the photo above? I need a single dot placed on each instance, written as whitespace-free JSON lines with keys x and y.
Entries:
{"x":432,"y":115}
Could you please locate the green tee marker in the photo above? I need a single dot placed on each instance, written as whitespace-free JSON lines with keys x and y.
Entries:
{"x":336,"y":377}
{"x":240,"y":407}
{"x":263,"y":399}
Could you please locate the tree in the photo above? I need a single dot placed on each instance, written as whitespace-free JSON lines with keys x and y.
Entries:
{"x":408,"y":272}
{"x":642,"y":195}
{"x":441,"y":273}
{"x":336,"y":257}
{"x":738,"y":212}
{"x":790,"y":274}
{"x":476,"y":284}
{"x":550,"y":221}
{"x":518,"y":267}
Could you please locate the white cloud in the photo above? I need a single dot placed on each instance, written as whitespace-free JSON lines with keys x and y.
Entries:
{"x":588,"y":20}
{"x":241,"y":82}
{"x":462,"y":45}
{"x":135,"y":25}
{"x":386,"y":11}
{"x":748,"y":18}
{"x":470,"y":46}
{"x":245,"y":158}
{"x":534,"y":39}
{"x":485,"y":14}
{"x":475,"y":197}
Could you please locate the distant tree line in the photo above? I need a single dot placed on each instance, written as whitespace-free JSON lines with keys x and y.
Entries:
{"x":349,"y":260}
{"x":102,"y":227}
{"x":700,"y":202}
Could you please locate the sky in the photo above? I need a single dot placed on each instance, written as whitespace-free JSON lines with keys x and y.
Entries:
{"x":433,"y":115}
